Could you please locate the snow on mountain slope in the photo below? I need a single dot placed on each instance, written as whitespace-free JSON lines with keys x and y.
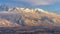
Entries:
{"x":31,"y":17}
{"x":39,"y":17}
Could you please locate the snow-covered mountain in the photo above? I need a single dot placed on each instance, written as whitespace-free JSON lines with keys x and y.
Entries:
{"x":30,"y":17}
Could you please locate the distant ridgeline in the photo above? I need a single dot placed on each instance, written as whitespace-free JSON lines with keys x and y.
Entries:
{"x":4,"y":7}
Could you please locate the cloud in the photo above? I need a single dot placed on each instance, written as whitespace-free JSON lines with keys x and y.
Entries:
{"x":39,"y":2}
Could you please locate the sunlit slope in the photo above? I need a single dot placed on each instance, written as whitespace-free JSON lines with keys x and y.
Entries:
{"x":37,"y":17}
{"x":6,"y":23}
{"x":30,"y":17}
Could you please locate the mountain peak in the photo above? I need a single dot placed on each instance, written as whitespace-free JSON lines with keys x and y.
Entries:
{"x":39,"y":9}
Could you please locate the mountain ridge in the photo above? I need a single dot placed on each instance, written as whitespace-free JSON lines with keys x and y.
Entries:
{"x":31,"y":17}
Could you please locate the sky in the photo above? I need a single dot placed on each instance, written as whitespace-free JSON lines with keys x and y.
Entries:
{"x":50,"y":5}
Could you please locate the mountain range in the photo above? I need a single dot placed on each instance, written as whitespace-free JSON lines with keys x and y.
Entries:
{"x":20,"y":17}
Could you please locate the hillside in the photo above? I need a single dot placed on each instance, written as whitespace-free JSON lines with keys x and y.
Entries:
{"x":6,"y":23}
{"x":31,"y":17}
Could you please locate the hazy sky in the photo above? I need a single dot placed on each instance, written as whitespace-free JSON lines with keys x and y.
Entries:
{"x":50,"y":5}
